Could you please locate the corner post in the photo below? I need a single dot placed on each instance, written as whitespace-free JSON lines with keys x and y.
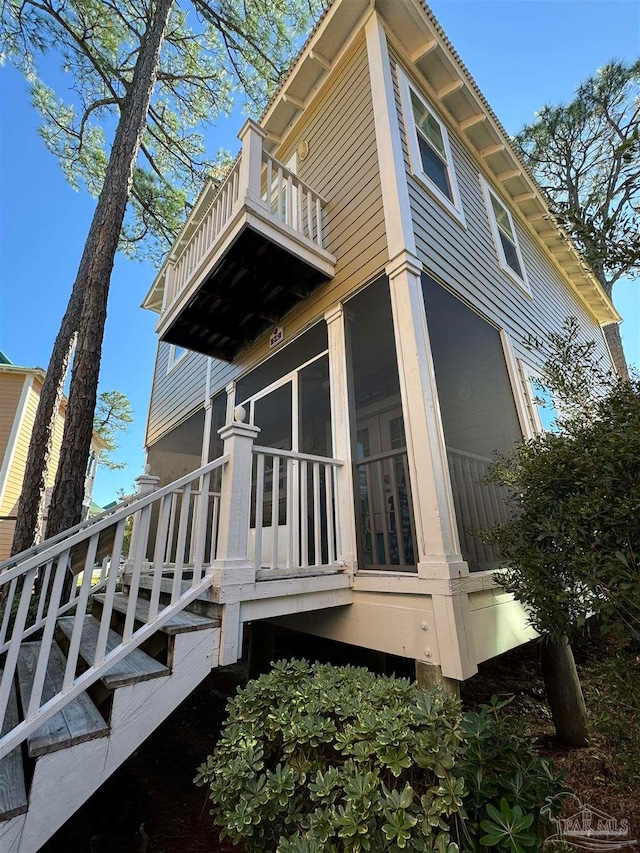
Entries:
{"x":341,"y":421}
{"x":436,"y":527}
{"x":232,"y":564}
{"x":438,"y":548}
{"x":251,"y":137}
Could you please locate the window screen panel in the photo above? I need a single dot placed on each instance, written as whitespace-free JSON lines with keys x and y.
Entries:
{"x":292,"y":355}
{"x":479,"y":415}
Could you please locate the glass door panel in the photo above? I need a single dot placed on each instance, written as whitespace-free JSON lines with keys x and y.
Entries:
{"x":273,"y":413}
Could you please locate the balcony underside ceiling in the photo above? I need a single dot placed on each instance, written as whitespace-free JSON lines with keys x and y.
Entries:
{"x":257,"y":283}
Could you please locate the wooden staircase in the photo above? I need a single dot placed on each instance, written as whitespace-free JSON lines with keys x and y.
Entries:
{"x":89,"y":669}
{"x":83,"y":743}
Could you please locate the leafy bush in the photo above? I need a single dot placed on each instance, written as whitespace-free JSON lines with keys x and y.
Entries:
{"x":573,"y":542}
{"x":320,"y":758}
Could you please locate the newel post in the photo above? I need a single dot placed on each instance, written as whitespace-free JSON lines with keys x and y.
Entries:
{"x":251,"y":137}
{"x":232,"y":564}
{"x":145,"y":484}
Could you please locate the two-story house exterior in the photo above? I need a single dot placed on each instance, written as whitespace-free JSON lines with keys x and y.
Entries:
{"x":341,"y":327}
{"x":396,"y":341}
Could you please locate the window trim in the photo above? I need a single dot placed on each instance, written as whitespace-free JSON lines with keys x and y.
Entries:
{"x":488,"y":192}
{"x":528,"y":373}
{"x":515,"y":369}
{"x":452,"y":206}
{"x":174,"y":360}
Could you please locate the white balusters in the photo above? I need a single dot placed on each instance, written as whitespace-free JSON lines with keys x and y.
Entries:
{"x":306,"y":536}
{"x":205,"y":233}
{"x":259,"y":510}
{"x":30,"y":610}
{"x":182,"y":542}
{"x":261,"y":182}
{"x":107,"y":607}
{"x":291,"y":202}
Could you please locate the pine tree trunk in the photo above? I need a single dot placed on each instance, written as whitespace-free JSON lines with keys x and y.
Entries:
{"x":66,"y":502}
{"x":614,"y":340}
{"x":31,"y":503}
{"x":612,"y":332}
{"x":564,"y":692}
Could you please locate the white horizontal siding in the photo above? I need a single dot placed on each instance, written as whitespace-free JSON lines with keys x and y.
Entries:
{"x":342,"y":165}
{"x":176,"y":394}
{"x":466,"y":260}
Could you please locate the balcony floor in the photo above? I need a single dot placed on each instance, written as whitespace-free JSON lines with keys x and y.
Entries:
{"x":250,"y":290}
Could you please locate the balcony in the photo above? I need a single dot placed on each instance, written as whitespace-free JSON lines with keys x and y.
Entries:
{"x":251,"y":250}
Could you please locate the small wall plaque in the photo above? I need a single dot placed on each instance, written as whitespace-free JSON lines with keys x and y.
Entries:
{"x":277,"y":336}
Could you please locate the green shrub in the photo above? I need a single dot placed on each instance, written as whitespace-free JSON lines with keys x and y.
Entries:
{"x":321,"y":758}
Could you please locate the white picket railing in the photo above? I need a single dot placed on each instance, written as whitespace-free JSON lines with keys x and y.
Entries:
{"x":206,"y":234}
{"x":258,"y":180}
{"x":291,"y":201}
{"x":294,"y":499}
{"x":174,"y":531}
{"x":179,"y":535}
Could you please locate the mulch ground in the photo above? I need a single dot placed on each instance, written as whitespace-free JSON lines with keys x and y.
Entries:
{"x":150,"y":805}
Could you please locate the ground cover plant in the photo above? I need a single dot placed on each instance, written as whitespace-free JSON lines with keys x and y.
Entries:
{"x":321,"y":758}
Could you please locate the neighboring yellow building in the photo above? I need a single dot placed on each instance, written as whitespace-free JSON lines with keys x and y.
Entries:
{"x":19,"y":397}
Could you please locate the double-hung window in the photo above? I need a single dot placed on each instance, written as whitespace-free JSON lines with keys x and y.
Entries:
{"x":429,"y":148}
{"x":505,"y":237}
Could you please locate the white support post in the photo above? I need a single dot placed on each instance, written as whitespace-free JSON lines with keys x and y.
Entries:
{"x":341,"y":421}
{"x":145,"y":484}
{"x":232,"y":564}
{"x":208,"y":412}
{"x":437,"y":546}
{"x":436,"y":529}
{"x":251,"y":137}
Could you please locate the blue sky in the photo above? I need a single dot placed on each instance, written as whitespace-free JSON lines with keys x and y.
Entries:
{"x":522,"y":53}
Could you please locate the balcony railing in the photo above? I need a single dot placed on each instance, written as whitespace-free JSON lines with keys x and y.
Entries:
{"x":211,"y":226}
{"x":258,"y":191}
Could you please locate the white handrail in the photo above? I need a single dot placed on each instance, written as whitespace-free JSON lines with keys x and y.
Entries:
{"x":46,"y":543}
{"x":205,"y":234}
{"x":266,"y":185}
{"x":29,"y":611}
{"x":51,"y":552}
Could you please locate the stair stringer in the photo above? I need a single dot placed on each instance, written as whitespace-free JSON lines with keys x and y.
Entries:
{"x":64,"y":780}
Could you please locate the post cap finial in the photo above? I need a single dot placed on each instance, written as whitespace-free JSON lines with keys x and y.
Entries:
{"x":239,"y":414}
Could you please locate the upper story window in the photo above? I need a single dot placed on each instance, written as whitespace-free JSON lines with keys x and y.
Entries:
{"x":543,"y":405}
{"x":176,"y":354}
{"x":429,"y":148}
{"x":505,"y":237}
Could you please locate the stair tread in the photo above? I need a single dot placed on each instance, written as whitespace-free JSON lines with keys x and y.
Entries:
{"x":136,"y":666}
{"x":178,"y":624}
{"x":78,"y":721}
{"x":13,"y":794}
